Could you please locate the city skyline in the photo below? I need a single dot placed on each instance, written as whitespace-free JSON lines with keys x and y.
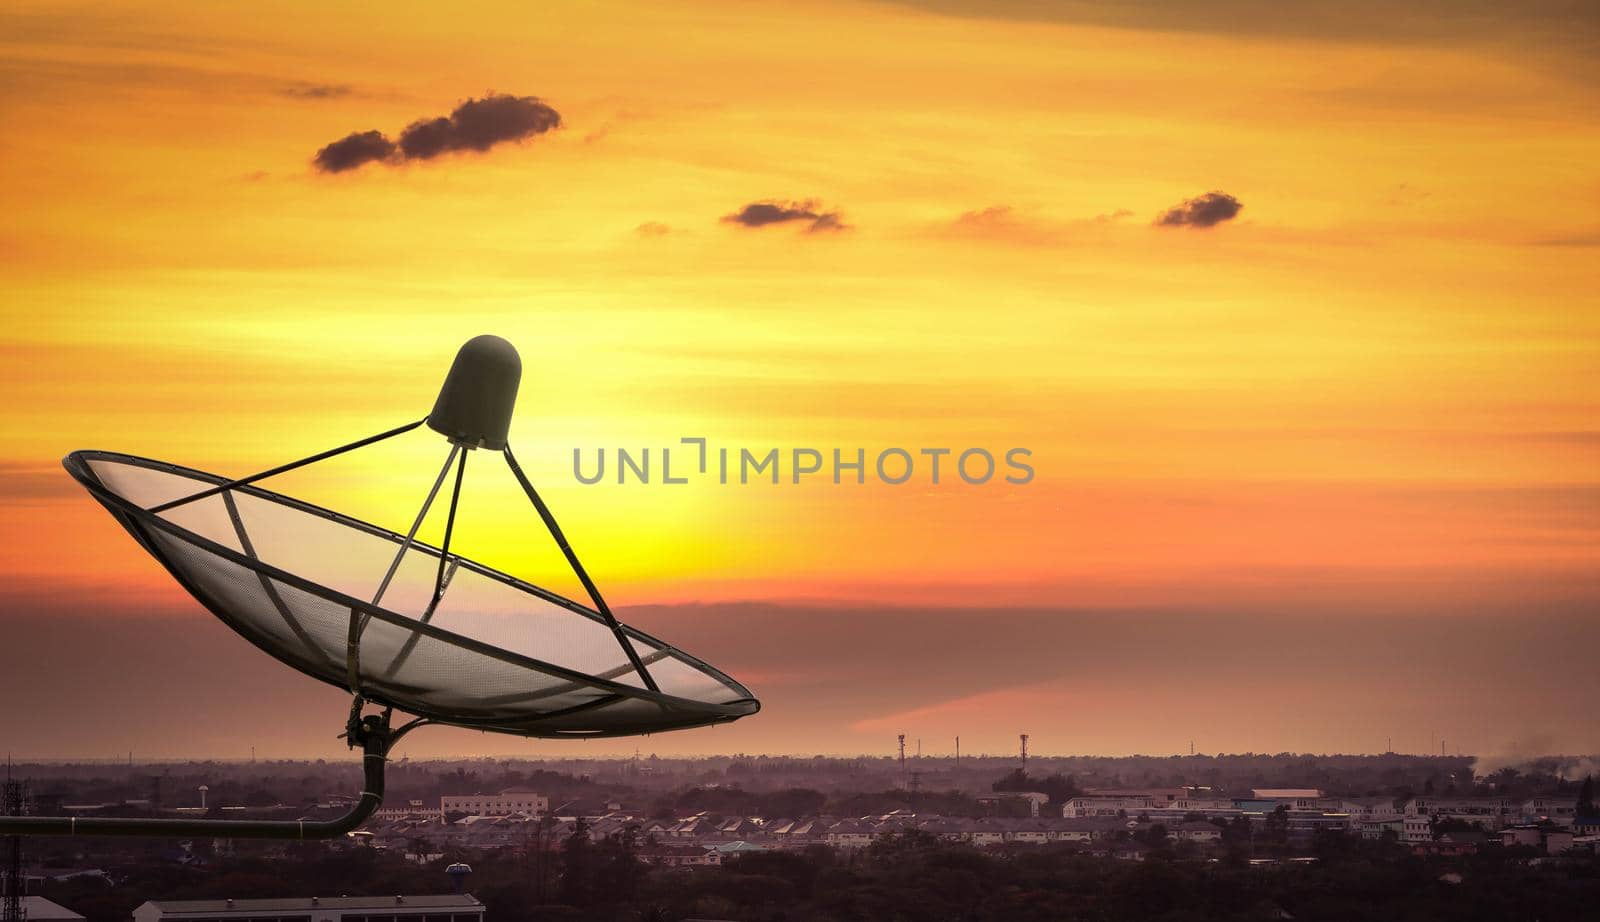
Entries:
{"x":1303,"y":351}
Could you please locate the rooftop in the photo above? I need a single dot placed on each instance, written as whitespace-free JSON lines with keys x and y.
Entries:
{"x":308,"y":903}
{"x":43,"y":910}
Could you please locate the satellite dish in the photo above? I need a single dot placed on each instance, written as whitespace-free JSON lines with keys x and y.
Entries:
{"x":393,"y":620}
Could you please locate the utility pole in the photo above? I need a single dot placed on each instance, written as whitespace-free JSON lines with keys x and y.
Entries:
{"x":958,"y":752}
{"x":15,"y":805}
{"x":902,"y":759}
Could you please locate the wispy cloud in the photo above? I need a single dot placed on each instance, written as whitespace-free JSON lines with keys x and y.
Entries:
{"x":25,"y":484}
{"x":1537,"y":30}
{"x":317,"y":90}
{"x":1012,"y":225}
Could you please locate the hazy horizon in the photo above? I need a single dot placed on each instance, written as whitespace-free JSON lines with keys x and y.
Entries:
{"x":1293,"y":308}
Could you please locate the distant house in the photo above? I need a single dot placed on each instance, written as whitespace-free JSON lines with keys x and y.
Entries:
{"x":1196,"y":831}
{"x":681,"y":856}
{"x":849,"y":834}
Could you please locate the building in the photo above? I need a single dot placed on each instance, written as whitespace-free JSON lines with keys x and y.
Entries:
{"x":1375,"y":829}
{"x":1196,"y":831}
{"x":1369,"y":809}
{"x":453,"y":907}
{"x":681,"y":856}
{"x":504,"y":803}
{"x":1416,"y":829}
{"x":1558,"y":808}
{"x":1034,"y":799}
{"x":1489,"y":813}
{"x":1296,"y":798}
{"x":411,"y":808}
{"x":1111,"y":802}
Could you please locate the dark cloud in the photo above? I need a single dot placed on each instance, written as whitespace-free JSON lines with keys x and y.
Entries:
{"x":352,"y":151}
{"x":317,"y":91}
{"x":1207,"y":210}
{"x":476,"y":125}
{"x":761,"y":214}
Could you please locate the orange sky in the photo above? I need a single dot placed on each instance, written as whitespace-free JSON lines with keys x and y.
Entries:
{"x":1370,"y":393}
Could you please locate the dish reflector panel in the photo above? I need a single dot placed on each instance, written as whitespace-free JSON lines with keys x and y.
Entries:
{"x":496,"y":653}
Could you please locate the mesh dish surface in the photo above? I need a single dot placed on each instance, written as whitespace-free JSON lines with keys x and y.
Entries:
{"x":496,"y":654}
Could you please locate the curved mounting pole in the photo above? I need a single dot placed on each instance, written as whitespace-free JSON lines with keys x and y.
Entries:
{"x":577,"y":568}
{"x":371,"y":733}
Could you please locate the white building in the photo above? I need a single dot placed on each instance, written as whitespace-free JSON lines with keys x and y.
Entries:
{"x":1416,"y":829}
{"x":453,"y":907}
{"x":1489,"y":813}
{"x":1108,"y":803}
{"x":504,"y":803}
{"x":1557,"y":808}
{"x":1369,"y":809}
{"x":1297,"y":798}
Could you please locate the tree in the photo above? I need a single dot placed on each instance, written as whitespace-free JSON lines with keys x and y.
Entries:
{"x":1276,"y":826}
{"x":1014,"y":780}
{"x":619,"y":866}
{"x":1586,"y":806}
{"x":577,"y":865}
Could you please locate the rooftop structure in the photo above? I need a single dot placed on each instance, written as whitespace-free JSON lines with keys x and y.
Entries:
{"x":451,"y":907}
{"x":39,"y":909}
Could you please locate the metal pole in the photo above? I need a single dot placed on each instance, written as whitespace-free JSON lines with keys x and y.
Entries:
{"x":372,"y":733}
{"x":442,"y":579}
{"x":577,"y":568}
{"x":213,"y":491}
{"x":358,"y":625}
